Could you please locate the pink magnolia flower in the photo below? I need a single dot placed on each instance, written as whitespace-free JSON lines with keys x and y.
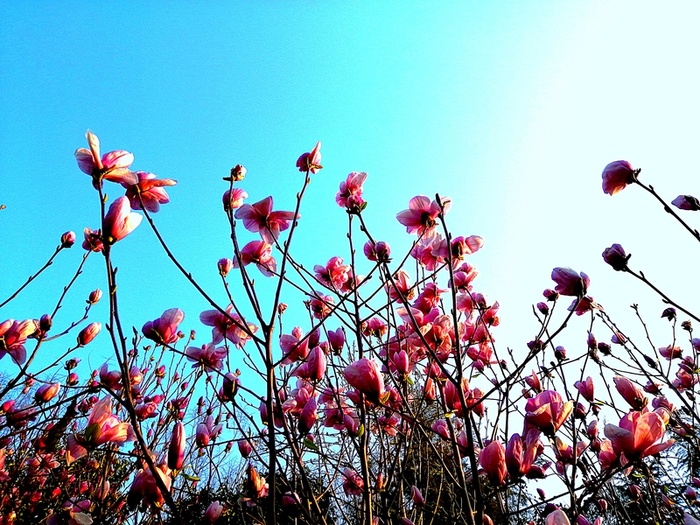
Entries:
{"x":47,"y":392}
{"x":145,"y":488}
{"x":336,"y":338}
{"x":120,"y":221}
{"x":112,"y":166}
{"x":320,"y":305}
{"x":67,"y":239}
{"x":686,"y":202}
{"x":585,"y":388}
{"x":89,"y":333}
{"x":260,"y":218}
{"x":213,"y":512}
{"x":570,"y":282}
{"x":256,"y":485}
{"x":617,"y":175}
{"x":557,"y":517}
{"x":421,"y":215}
{"x":335,"y":275}
{"x":670,"y":352}
{"x":353,"y":484}
{"x":492,"y":459}
{"x":13,"y":335}
{"x":208,"y":356}
{"x":176,"y":450}
{"x":616,"y":257}
{"x":310,"y":161}
{"x":365,"y":375}
{"x":259,"y":253}
{"x":349,"y":195}
{"x":164,"y":329}
{"x":377,"y":251}
{"x":206,"y":431}
{"x":314,"y":367}
{"x":151,"y":191}
{"x":92,"y":240}
{"x":102,"y":427}
{"x":228,"y":325}
{"x":631,"y":392}
{"x":547,"y":411}
{"x":233,"y":199}
{"x":637,"y":436}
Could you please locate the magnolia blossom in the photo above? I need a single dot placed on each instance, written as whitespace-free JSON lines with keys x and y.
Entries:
{"x":637,"y":436}
{"x":112,"y":166}
{"x":616,"y":257}
{"x":208,"y":356}
{"x":176,"y":450}
{"x":422,"y":214}
{"x":259,"y":253}
{"x":151,"y":191}
{"x":89,"y":333}
{"x":686,"y":202}
{"x":631,"y":392}
{"x":492,"y":459}
{"x":617,"y":175}
{"x":120,"y":221}
{"x":164,"y":329}
{"x":547,"y":411}
{"x":102,"y":427}
{"x":349,"y":195}
{"x":310,"y":162}
{"x":145,"y":487}
{"x":570,"y":282}
{"x":228,"y":325}
{"x":233,"y":199}
{"x":366,"y":376}
{"x":352,"y":484}
{"x":13,"y":335}
{"x":260,"y":218}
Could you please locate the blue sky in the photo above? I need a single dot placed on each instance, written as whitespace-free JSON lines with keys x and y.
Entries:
{"x":512,"y":109}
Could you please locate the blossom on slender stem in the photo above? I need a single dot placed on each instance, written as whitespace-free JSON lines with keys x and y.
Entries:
{"x":421,"y":215}
{"x":13,"y":335}
{"x":208,"y":356}
{"x":259,"y":253}
{"x":260,"y":218}
{"x":585,"y":388}
{"x":492,"y":459}
{"x":349,"y":195}
{"x":366,"y":376}
{"x":102,"y":427}
{"x":120,"y":221}
{"x":547,"y":411}
{"x":310,"y":161}
{"x":353,"y":484}
{"x":377,"y":251}
{"x":314,"y":367}
{"x":233,"y":199}
{"x":617,"y":175}
{"x":89,"y":333}
{"x":570,"y":282}
{"x":151,"y":191}
{"x":164,"y":329}
{"x":335,"y":275}
{"x":145,"y":488}
{"x":112,"y":166}
{"x":176,"y":450}
{"x":557,"y":517}
{"x":228,"y":325}
{"x":686,"y":202}
{"x":637,"y":436}
{"x":631,"y":392}
{"x":67,"y":239}
{"x":92,"y":240}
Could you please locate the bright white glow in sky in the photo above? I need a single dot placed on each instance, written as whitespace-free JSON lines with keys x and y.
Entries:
{"x":510,"y":108}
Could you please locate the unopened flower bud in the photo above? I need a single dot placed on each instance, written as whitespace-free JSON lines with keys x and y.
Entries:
{"x":94,"y":296}
{"x":616,"y":257}
{"x":176,"y":451}
{"x":89,"y":333}
{"x":224,"y":266}
{"x":67,"y":239}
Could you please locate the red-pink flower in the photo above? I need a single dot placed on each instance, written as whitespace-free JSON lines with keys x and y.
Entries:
{"x":314,"y":367}
{"x":145,"y":488}
{"x":335,"y":275}
{"x":259,"y":217}
{"x":637,"y":436}
{"x":353,"y":484}
{"x":92,"y":240}
{"x":13,"y":335}
{"x":112,"y":166}
{"x":617,"y":175}
{"x":151,"y":191}
{"x":377,"y":251}
{"x":47,"y":392}
{"x":120,"y":221}
{"x":631,"y":392}
{"x":228,"y":325}
{"x":233,"y":199}
{"x":585,"y":388}
{"x":349,"y":195}
{"x":365,"y":375}
{"x":547,"y":411}
{"x":208,"y":356}
{"x":102,"y":427}
{"x":310,"y":161}
{"x":176,"y":450}
{"x":259,"y":253}
{"x":164,"y":329}
{"x":320,"y":305}
{"x":492,"y":459}
{"x":421,"y":215}
{"x":89,"y":333}
{"x":570,"y":282}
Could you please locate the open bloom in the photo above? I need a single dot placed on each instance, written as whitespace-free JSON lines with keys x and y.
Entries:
{"x":366,"y":376}
{"x":353,"y":484}
{"x":13,"y":335}
{"x":259,"y":217}
{"x":228,"y":325}
{"x":547,"y":411}
{"x":259,"y":253}
{"x":145,"y":487}
{"x":310,"y":161}
{"x":102,"y":427}
{"x":349,"y":195}
{"x":208,"y":356}
{"x":151,"y":191}
{"x":421,"y":215}
{"x":120,"y":221}
{"x":637,"y":436}
{"x":112,"y":166}
{"x":233,"y":199}
{"x":617,"y":175}
{"x":570,"y":282}
{"x":164,"y":329}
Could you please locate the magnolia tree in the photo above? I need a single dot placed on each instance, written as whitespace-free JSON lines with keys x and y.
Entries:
{"x":386,"y":401}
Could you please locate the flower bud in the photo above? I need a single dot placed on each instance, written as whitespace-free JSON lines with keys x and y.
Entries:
{"x":94,"y":296}
{"x":616,"y":257}
{"x":47,"y":392}
{"x":176,"y":451}
{"x":89,"y":333}
{"x":67,"y":239}
{"x":617,"y":175}
{"x":225,"y":265}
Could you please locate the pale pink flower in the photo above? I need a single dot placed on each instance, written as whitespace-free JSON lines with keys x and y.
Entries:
{"x":120,"y":221}
{"x":310,"y":161}
{"x":233,"y":199}
{"x":637,"y":436}
{"x":151,"y":191}
{"x":208,"y":356}
{"x":13,"y":336}
{"x":164,"y":329}
{"x":259,"y":253}
{"x":102,"y":427}
{"x":421,"y":215}
{"x":112,"y":166}
{"x":228,"y":325}
{"x":617,"y":175}
{"x":259,"y":217}
{"x":213,"y":512}
{"x":349,"y":195}
{"x":557,"y":517}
